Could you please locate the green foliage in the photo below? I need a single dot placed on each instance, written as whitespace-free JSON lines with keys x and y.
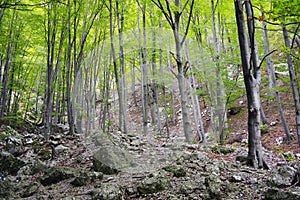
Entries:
{"x":264,"y":128}
{"x":288,"y":9}
{"x":222,"y":149}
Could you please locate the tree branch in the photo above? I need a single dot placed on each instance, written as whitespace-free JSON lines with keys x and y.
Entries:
{"x":184,"y":7}
{"x":160,"y":6}
{"x":266,"y":57}
{"x":188,"y":23}
{"x":294,"y":37}
{"x":170,"y":13}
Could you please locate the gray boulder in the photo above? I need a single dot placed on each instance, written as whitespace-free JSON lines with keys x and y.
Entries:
{"x":175,"y":170}
{"x":81,"y":179}
{"x":110,"y":158}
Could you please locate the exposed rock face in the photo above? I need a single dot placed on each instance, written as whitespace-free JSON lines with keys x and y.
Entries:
{"x":170,"y":169}
{"x":81,"y":179}
{"x":213,"y":183}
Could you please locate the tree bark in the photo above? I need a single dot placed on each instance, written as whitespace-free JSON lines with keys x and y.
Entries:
{"x":252,"y":83}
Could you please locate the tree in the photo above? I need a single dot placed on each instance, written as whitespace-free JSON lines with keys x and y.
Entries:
{"x":173,"y":17}
{"x":272,"y":78}
{"x":251,"y":72}
{"x":293,"y":81}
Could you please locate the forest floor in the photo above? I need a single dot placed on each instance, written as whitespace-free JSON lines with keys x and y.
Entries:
{"x":157,"y":155}
{"x":273,"y":136}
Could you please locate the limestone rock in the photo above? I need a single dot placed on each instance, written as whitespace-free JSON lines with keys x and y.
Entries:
{"x":56,"y":174}
{"x":111,"y":159}
{"x":10,"y":164}
{"x":28,"y":189}
{"x":175,"y":170}
{"x":213,"y":182}
{"x":108,"y":191}
{"x":278,"y":194}
{"x":282,"y":176}
{"x":81,"y":180}
{"x":7,"y":190}
{"x":188,"y":187}
{"x":154,"y":184}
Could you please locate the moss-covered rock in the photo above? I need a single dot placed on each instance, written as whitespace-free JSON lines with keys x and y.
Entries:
{"x":188,"y":187}
{"x":153,"y":185}
{"x":282,"y":176}
{"x":175,"y":170}
{"x":82,"y":179}
{"x":7,"y":190}
{"x":108,"y":191}
{"x":56,"y":174}
{"x":27,"y":189}
{"x":213,"y":183}
{"x":9,"y":164}
{"x":222,"y":149}
{"x":278,"y":194}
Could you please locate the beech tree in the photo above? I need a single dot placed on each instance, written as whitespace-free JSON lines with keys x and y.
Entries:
{"x":252,"y":78}
{"x":173,"y":17}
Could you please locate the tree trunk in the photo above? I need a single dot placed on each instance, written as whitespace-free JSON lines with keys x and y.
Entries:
{"x":143,"y":65}
{"x":293,"y":81}
{"x":252,"y":83}
{"x":68,"y":75}
{"x":123,"y":85}
{"x":272,"y":79}
{"x":115,"y":65}
{"x":155,"y":115}
{"x":10,"y":44}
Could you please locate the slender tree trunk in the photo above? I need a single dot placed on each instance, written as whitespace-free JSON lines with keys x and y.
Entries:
{"x":181,"y":78}
{"x":220,"y":106}
{"x":68,"y":75}
{"x":161,"y":69}
{"x":143,"y":65}
{"x":122,"y":68}
{"x":10,"y":44}
{"x":155,"y":105}
{"x":293,"y":81}
{"x":132,"y":75}
{"x":272,"y":79}
{"x":51,"y":39}
{"x":115,"y":65}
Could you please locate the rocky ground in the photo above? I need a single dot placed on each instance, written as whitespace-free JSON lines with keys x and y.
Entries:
{"x":117,"y":166}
